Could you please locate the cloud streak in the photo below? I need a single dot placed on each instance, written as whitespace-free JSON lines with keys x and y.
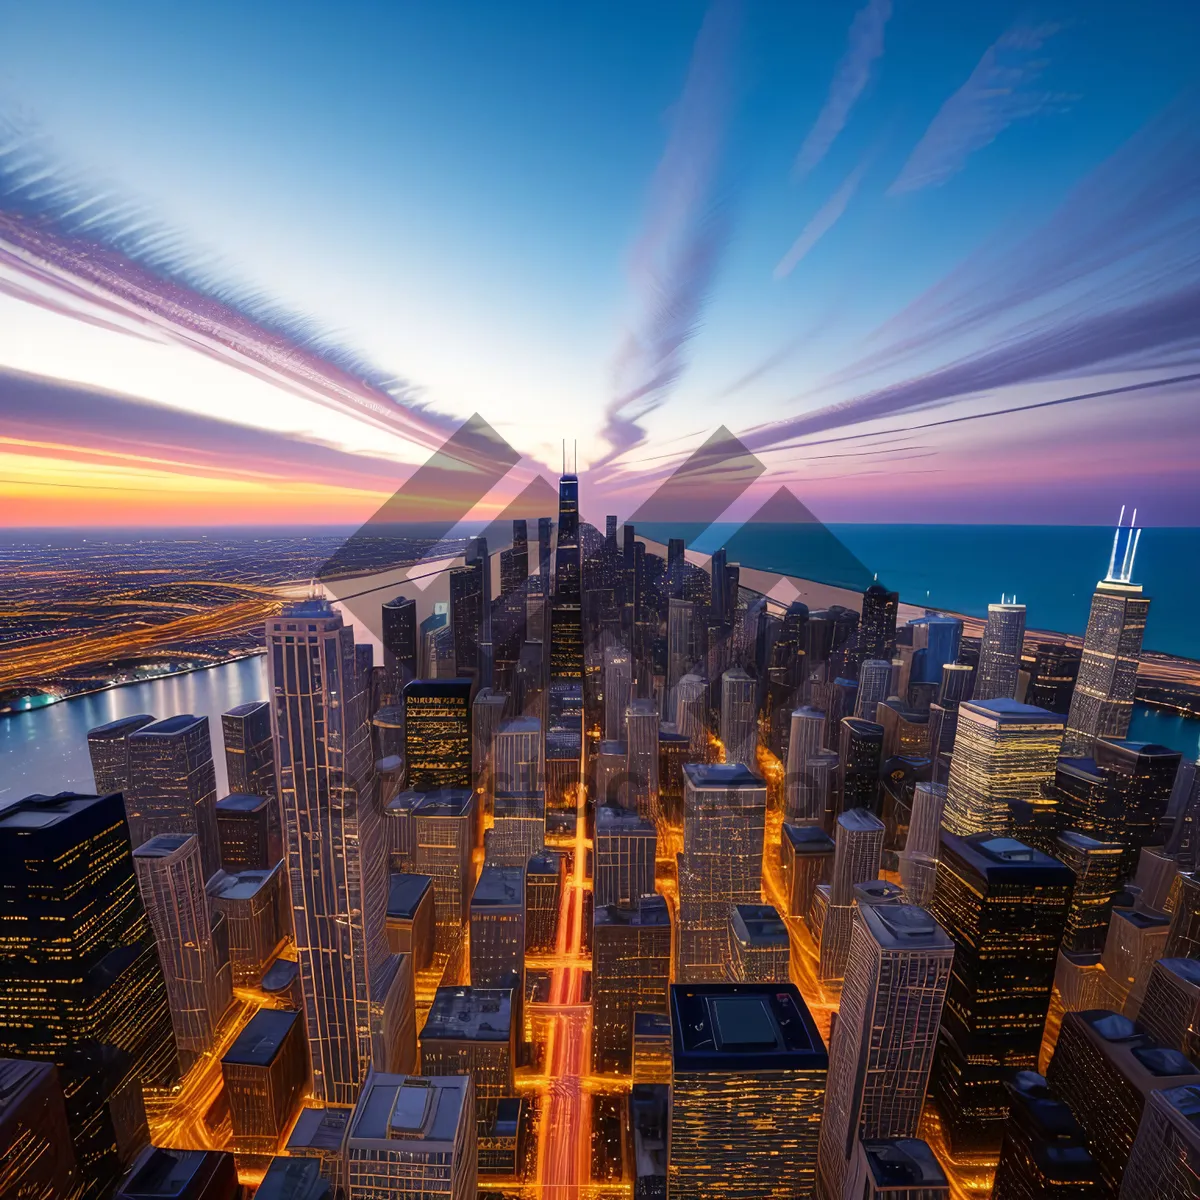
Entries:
{"x":864,"y":46}
{"x":685,"y":233}
{"x":826,"y":217}
{"x":998,"y":93}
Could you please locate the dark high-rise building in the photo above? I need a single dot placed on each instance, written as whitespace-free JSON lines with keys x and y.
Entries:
{"x":567,"y":566}
{"x":1165,"y":1160}
{"x":1170,"y":1011}
{"x":858,"y":847}
{"x":181,"y":1175}
{"x":1045,"y":1154}
{"x":337,"y":849}
{"x":1000,"y":653}
{"x":936,"y":642}
{"x":625,"y":848}
{"x":264,"y":1072}
{"x":806,"y":855}
{"x":35,"y":1143}
{"x":411,"y":925}
{"x":1053,"y":668}
{"x":896,"y":1169}
{"x":470,"y":608}
{"x":437,"y":733}
{"x":641,"y":761}
{"x":566,"y":642}
{"x":244,"y":831}
{"x":514,"y":562}
{"x":257,"y":910}
{"x":443,"y":828}
{"x":545,"y":535}
{"x":747,"y":1086}
{"x":108,"y":746}
{"x":1102,"y":702}
{"x":1120,"y":794}
{"x":1005,"y":906}
{"x":631,"y":967}
{"x":80,"y":981}
{"x":498,"y":926}
{"x":1097,"y":869}
{"x":759,"y":947}
{"x":739,"y":718}
{"x":472,"y":1031}
{"x":1104,"y":1069}
{"x":1183,"y":939}
{"x":860,"y":758}
{"x":400,"y":662}
{"x":250,"y":758}
{"x":877,"y":633}
{"x":173,"y":785}
{"x":293,"y":1179}
{"x":199,"y":989}
{"x":543,"y":896}
{"x":882,"y":1047}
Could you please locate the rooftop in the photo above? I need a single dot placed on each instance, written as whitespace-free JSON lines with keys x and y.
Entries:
{"x":390,"y":715}
{"x":1006,"y":859}
{"x":280,"y":976}
{"x":1187,"y":969}
{"x":859,"y":820}
{"x":315,"y":606}
{"x":162,"y":1174}
{"x":405,"y":893}
{"x":499,"y":887}
{"x":170,"y":725}
{"x":411,"y":1108}
{"x":547,"y":862}
{"x":743,"y":1027}
{"x":242,"y":885}
{"x":319,"y":1129}
{"x":163,"y":845}
{"x":808,"y":839}
{"x":440,"y":802}
{"x":612,"y":819}
{"x":611,"y":746}
{"x":241,"y":802}
{"x":473,"y":1014}
{"x":121,"y":727}
{"x":898,"y":1161}
{"x":41,"y":812}
{"x":265,"y":1032}
{"x":758,"y":925}
{"x":651,"y":910}
{"x":293,"y":1179}
{"x":1013,"y":712}
{"x":245,"y":710}
{"x":722,"y":775}
{"x":905,"y":926}
{"x":520,"y":725}
{"x":438,"y":687}
{"x":651,"y":1024}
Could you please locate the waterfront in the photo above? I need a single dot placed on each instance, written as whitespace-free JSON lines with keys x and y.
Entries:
{"x":45,"y":749}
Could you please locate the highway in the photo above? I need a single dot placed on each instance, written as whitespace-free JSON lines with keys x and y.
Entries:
{"x":564,"y":1158}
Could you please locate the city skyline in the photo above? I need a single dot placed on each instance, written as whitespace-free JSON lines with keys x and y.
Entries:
{"x":868,"y":226}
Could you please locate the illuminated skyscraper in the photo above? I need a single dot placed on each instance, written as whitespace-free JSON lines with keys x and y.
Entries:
{"x":806,"y":853}
{"x":1120,"y":794}
{"x":470,"y":610}
{"x":860,"y":758}
{"x":257,"y":908}
{"x":806,"y":738}
{"x":437,"y":733}
{"x":1000,"y":654}
{"x":337,"y":859}
{"x":518,"y":754}
{"x":250,"y":760}
{"x":1105,"y":1069}
{"x":518,"y":828}
{"x":400,"y":664}
{"x":173,"y":785}
{"x":1165,"y":1159}
{"x":617,"y":684}
{"x":1102,"y":702}
{"x":412,"y":1135}
{"x":874,"y":685}
{"x":172,"y":886}
{"x":631,"y":967}
{"x":487,"y":714}
{"x":690,"y":711}
{"x":35,"y":1143}
{"x":747,"y":1086}
{"x":759,"y":948}
{"x":1097,"y":869}
{"x":883,"y":1044}
{"x":1005,"y":906}
{"x":1170,"y":1011}
{"x":877,"y":633}
{"x":567,"y":568}
{"x":724,"y":811}
{"x":1003,"y":751}
{"x":641,"y":764}
{"x":514,"y":562}
{"x":244,"y":830}
{"x":858,"y":847}
{"x":918,"y":859}
{"x":498,"y":926}
{"x":625,"y":846}
{"x":443,"y":823}
{"x":264,"y":1073}
{"x":543,"y":897}
{"x":739,"y":718}
{"x":679,"y":641}
{"x":108,"y":746}
{"x":472,"y":1031}
{"x":80,"y":981}
{"x":1045,"y":1154}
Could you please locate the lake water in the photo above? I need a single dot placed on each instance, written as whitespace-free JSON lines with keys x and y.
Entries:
{"x":45,"y":749}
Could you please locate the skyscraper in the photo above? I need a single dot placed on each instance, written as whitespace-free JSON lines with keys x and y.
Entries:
{"x":1003,"y":751}
{"x":625,"y":846}
{"x":1102,"y":702}
{"x":400,"y":664}
{"x":437,"y":733}
{"x":1000,"y":654}
{"x":874,"y":685}
{"x":518,"y":756}
{"x":80,"y":981}
{"x":896,"y":1169}
{"x":858,"y":847}
{"x":472,"y":1031}
{"x":1170,"y":1011}
{"x":487,"y":714}
{"x":543,"y":896}
{"x":264,"y":1073}
{"x":443,"y":837}
{"x":739,"y":718}
{"x":1097,"y":869}
{"x":724,"y":811}
{"x":806,"y":738}
{"x":759,"y":947}
{"x":641,"y":764}
{"x":877,"y":633}
{"x":882,"y":1047}
{"x":171,"y":882}
{"x":567,"y":568}
{"x":162,"y":1174}
{"x":35,"y":1143}
{"x":108,"y":746}
{"x":748,"y":1074}
{"x":631,"y":967}
{"x":690,"y":711}
{"x":679,"y":641}
{"x":617,"y":685}
{"x":337,"y":860}
{"x":412,"y":1135}
{"x":173,"y":785}
{"x":860,"y":759}
{"x":1165,"y":1159}
{"x":1005,"y":906}
{"x":498,"y":926}
{"x":918,"y":859}
{"x":470,"y":608}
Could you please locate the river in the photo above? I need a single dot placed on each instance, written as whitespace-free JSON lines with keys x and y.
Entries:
{"x":45,"y":749}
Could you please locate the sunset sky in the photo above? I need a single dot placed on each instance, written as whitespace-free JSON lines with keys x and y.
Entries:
{"x":929,"y":261}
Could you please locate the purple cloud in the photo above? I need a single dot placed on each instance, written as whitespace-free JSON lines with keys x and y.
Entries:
{"x":864,"y":45}
{"x":997,"y":94}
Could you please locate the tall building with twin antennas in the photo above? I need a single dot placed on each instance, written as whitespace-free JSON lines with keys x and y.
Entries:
{"x":1102,"y":703}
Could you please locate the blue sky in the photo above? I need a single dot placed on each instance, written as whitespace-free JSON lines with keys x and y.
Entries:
{"x":468,"y":193}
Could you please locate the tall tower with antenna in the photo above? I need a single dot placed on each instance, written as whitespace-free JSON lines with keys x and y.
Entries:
{"x":1102,"y":704}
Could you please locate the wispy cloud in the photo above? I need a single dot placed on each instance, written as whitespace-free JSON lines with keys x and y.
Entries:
{"x":864,"y":47}
{"x":685,"y":232}
{"x":83,"y":249}
{"x":826,"y":217}
{"x":998,"y":93}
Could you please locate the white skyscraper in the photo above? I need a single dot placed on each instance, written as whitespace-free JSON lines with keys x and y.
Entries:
{"x":874,"y":685}
{"x":1000,"y":654}
{"x":739,"y":721}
